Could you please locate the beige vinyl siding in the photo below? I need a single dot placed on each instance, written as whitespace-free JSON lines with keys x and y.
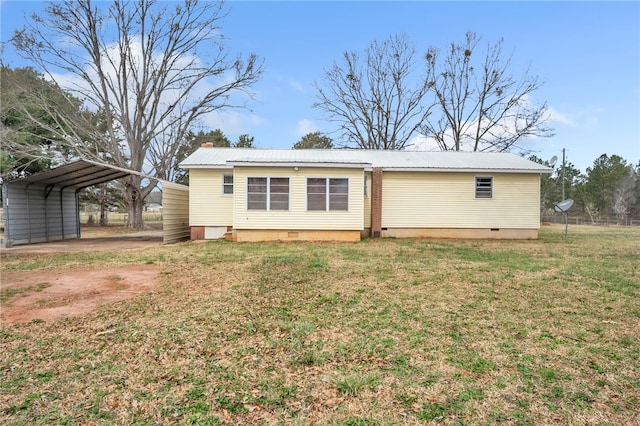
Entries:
{"x":207,"y":205}
{"x":447,"y":200}
{"x":297,"y":217}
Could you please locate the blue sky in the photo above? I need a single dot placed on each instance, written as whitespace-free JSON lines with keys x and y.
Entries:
{"x":587,"y":53}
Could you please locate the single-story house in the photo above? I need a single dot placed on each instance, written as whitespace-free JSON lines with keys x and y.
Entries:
{"x":282,"y":194}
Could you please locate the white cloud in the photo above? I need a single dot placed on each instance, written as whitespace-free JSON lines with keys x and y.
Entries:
{"x":232,"y":122}
{"x":305,"y":127}
{"x":554,"y":116}
{"x":296,"y":85}
{"x":422,"y":143}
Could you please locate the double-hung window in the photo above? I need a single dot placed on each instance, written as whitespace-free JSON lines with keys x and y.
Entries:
{"x":484,"y":187}
{"x":328,"y":194}
{"x":267,"y":193}
{"x":227,"y":184}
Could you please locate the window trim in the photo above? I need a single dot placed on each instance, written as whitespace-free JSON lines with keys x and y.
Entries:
{"x":327,"y":194}
{"x":227,"y":185}
{"x":481,"y":190}
{"x":268,"y":193}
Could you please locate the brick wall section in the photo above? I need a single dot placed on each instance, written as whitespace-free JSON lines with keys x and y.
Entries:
{"x":376,"y":202}
{"x":197,"y":233}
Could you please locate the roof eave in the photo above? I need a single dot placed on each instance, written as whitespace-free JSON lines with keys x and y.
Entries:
{"x":315,"y":164}
{"x":462,"y":170}
{"x":204,"y":166}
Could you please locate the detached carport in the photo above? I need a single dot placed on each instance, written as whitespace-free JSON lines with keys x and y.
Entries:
{"x":45,"y":206}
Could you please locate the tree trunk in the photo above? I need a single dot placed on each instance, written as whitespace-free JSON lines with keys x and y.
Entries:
{"x":103,"y":214}
{"x":135,"y":219}
{"x":134,"y":201}
{"x":103,"y":206}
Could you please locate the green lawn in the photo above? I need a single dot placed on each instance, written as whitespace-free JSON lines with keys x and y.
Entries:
{"x":378,"y":332}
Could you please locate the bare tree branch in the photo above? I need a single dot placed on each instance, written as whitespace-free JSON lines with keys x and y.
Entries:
{"x":151,"y":69}
{"x":483,"y":107}
{"x":373,"y":103}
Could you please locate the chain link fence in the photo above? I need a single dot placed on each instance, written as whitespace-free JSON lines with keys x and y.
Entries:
{"x":582,"y":220}
{"x":114,"y":218}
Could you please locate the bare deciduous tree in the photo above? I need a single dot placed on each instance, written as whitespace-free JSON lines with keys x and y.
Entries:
{"x":150,"y":69}
{"x":373,"y":102}
{"x":479,"y":105}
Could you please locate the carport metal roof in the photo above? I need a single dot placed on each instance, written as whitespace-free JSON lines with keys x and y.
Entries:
{"x":79,"y":174}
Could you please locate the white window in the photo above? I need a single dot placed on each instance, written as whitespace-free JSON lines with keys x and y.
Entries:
{"x":271,"y":192}
{"x":328,"y":194}
{"x":227,"y":184}
{"x":484,"y":187}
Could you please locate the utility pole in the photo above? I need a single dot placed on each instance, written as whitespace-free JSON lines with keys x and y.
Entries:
{"x":563,"y":172}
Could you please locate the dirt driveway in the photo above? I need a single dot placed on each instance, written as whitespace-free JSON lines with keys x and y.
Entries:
{"x":95,"y":239}
{"x":54,"y":293}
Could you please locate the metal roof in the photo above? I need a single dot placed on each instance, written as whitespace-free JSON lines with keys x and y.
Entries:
{"x":79,"y":174}
{"x":206,"y":157}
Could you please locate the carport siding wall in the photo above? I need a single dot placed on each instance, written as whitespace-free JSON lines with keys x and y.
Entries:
{"x":39,"y":213}
{"x":175,"y":212}
{"x":447,"y":200}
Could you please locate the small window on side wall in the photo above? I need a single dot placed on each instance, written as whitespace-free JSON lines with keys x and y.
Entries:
{"x":227,"y":184}
{"x":484,"y":187}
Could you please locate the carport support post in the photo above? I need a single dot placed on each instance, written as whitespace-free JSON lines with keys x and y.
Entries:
{"x":77,"y":200}
{"x":26,"y":191}
{"x":376,"y":202}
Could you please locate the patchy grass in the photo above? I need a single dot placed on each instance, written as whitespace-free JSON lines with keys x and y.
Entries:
{"x":7,"y":294}
{"x":371,"y":333}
